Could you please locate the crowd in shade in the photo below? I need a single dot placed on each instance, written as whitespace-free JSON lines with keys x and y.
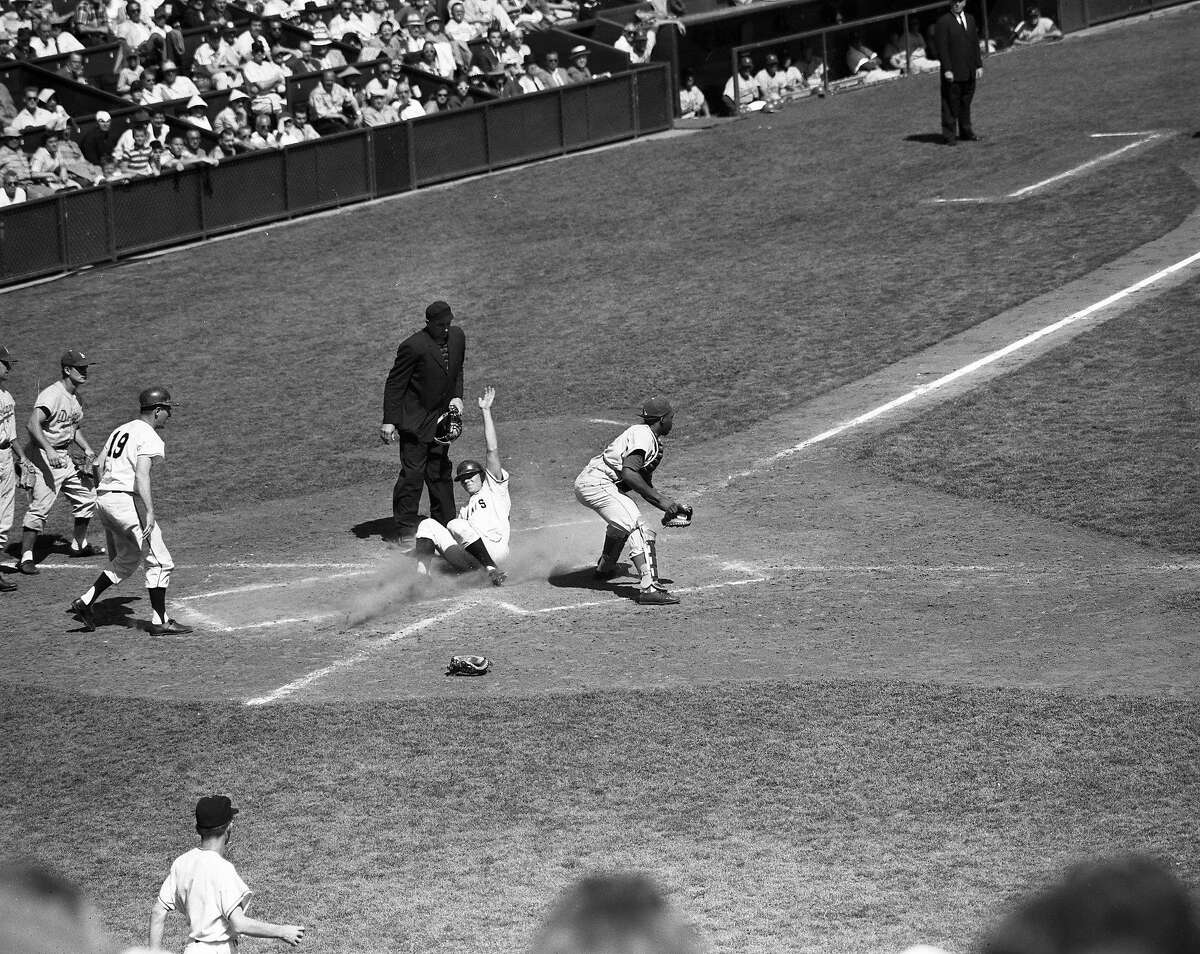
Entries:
{"x":284,"y":73}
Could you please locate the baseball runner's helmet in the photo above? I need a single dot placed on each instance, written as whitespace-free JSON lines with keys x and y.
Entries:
{"x":468,"y":468}
{"x":449,"y":427}
{"x":155,"y":397}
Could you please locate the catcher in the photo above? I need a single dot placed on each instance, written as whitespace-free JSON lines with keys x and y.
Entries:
{"x":478,"y":536}
{"x":604,"y":485}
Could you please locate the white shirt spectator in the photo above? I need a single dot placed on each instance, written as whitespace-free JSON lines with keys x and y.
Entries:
{"x":134,"y":34}
{"x":179,"y":88}
{"x":340,"y":25}
{"x":413,"y":110}
{"x":54,"y":45}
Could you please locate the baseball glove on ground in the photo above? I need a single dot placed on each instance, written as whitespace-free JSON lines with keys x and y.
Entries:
{"x":678,"y":516}
{"x":468,"y":666}
{"x":449,"y":427}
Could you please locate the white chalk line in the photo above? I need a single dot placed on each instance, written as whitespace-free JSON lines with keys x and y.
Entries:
{"x":257,"y":587}
{"x":1082,"y":167}
{"x":1074,"y":171}
{"x":317,"y":674}
{"x":605,"y":420}
{"x":1144,"y":132}
{"x":966,"y":369}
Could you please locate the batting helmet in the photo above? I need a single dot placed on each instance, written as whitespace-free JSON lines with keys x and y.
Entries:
{"x":449,"y":427}
{"x":155,"y":397}
{"x":468,"y":468}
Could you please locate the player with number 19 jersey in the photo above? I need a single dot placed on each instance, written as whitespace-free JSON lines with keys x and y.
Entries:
{"x":119,"y":460}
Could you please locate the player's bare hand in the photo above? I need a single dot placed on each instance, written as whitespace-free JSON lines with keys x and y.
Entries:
{"x":669,"y":505}
{"x":486,"y":399}
{"x":291,"y":934}
{"x":458,"y":403}
{"x":387,"y":433}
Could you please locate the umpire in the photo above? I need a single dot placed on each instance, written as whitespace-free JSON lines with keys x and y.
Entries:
{"x":425,"y":381}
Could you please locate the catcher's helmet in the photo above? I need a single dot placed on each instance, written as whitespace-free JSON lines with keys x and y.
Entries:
{"x":449,"y":427}
{"x":468,"y":468}
{"x":656,"y":408}
{"x":155,"y":397}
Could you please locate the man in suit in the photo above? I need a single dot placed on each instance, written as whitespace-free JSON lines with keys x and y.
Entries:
{"x":956,"y":45}
{"x":553,"y":74}
{"x":425,"y":381}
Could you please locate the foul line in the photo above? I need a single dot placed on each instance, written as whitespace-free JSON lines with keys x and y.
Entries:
{"x":255,"y":587}
{"x":1021,"y":193}
{"x":317,"y":674}
{"x":967,"y":369}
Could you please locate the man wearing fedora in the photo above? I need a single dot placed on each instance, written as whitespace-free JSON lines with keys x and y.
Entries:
{"x":206,"y":888}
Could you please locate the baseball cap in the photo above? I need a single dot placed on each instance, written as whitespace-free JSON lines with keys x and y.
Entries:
{"x":103,"y":116}
{"x":75,"y":359}
{"x":438,"y":309}
{"x":772,"y":58}
{"x":6,"y":356}
{"x":168,"y":65}
{"x":656,"y":407}
{"x":213,"y":811}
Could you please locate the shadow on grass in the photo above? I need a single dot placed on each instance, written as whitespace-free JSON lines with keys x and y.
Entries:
{"x":46,"y":544}
{"x":929,"y":139}
{"x":585,"y":579}
{"x":383,"y":527}
{"x":114,"y":611}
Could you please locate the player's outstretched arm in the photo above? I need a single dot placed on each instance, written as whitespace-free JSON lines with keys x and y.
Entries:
{"x":290,"y":934}
{"x":492,"y":462}
{"x":158,"y":923}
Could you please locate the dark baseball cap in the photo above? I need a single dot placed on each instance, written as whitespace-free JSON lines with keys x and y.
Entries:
{"x":6,"y":356}
{"x":75,"y":359}
{"x":213,"y":811}
{"x":656,"y":407}
{"x":437,"y":310}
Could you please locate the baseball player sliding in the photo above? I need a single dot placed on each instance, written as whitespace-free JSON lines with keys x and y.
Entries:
{"x":478,"y":536}
{"x":628,"y":464}
{"x":127,"y":511}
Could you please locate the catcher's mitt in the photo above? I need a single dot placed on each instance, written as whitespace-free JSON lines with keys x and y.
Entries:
{"x":468,"y":666}
{"x":449,"y":427}
{"x":678,"y":516}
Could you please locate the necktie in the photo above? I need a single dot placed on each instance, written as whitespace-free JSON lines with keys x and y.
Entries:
{"x":962,"y":21}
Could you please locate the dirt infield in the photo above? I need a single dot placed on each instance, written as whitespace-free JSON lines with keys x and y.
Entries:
{"x":802,"y":567}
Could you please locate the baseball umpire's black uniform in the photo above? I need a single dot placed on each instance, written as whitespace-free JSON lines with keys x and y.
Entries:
{"x":426,"y":376}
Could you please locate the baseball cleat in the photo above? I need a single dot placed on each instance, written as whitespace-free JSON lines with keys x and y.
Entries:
{"x":87,"y":550}
{"x":81,"y":611}
{"x":171,"y":627}
{"x":29,"y":568}
{"x":6,"y":586}
{"x":656,"y":596}
{"x":497,"y":576}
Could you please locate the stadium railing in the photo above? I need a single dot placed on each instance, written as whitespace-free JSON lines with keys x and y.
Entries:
{"x":77,"y":228}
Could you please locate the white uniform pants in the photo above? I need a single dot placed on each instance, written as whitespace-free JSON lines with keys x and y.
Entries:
{"x":128,"y":546}
{"x":618,"y":510}
{"x":450,"y":540}
{"x":49,"y":483}
{"x":211,"y":947}
{"x":8,"y":495}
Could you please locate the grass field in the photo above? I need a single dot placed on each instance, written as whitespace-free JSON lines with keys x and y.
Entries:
{"x":937,"y":691}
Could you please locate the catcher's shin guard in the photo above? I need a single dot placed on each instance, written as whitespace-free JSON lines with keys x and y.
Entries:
{"x":652,"y":559}
{"x":614,"y":543}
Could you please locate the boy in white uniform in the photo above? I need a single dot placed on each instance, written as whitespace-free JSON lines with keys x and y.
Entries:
{"x":127,"y":512}
{"x":53,"y":427}
{"x":478,"y":536}
{"x":628,"y":463}
{"x":205,"y":886}
{"x":11,"y":461}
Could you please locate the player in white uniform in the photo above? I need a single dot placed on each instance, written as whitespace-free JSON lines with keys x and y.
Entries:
{"x":127,"y":511}
{"x":628,"y":464}
{"x":12,"y":461}
{"x":53,"y":427}
{"x":206,"y":888}
{"x":478,"y":536}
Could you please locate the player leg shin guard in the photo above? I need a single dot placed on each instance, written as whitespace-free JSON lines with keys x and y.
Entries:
{"x":652,"y":558}
{"x":614,"y":543}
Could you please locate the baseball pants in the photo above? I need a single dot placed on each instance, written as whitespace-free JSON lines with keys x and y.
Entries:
{"x":128,"y":545}
{"x":210,"y":947}
{"x":49,"y":482}
{"x":8,"y":496}
{"x":454,"y":536}
{"x":617,"y":509}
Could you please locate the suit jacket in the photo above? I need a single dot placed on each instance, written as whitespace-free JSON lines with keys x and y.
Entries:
{"x":957,"y":49}
{"x":550,"y":79}
{"x":420,"y":385}
{"x":487,"y":60}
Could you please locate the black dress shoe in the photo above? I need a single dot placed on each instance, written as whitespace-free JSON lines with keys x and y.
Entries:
{"x":970,"y":137}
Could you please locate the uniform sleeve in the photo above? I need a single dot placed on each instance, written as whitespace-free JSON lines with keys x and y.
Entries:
{"x":153,"y":447}
{"x":232,"y":893}
{"x":166,"y":894}
{"x":641,"y":439}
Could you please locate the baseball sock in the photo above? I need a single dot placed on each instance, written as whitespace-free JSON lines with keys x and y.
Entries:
{"x":423,"y":551}
{"x":479,"y":551}
{"x":158,"y":603}
{"x":103,"y":582}
{"x":80,"y":540}
{"x":28,"y":542}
